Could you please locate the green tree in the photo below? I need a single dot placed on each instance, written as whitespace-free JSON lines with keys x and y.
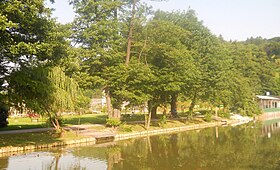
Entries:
{"x":28,"y":37}
{"x":97,"y":30}
{"x":210,"y":63}
{"x":45,"y":90}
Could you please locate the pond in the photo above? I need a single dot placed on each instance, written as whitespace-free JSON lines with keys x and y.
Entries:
{"x":250,"y":146}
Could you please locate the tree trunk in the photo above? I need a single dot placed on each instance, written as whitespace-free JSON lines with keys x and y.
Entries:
{"x":154,"y":112}
{"x":116,"y":114}
{"x":148,"y":120}
{"x":192,"y":105}
{"x":129,"y":40}
{"x":164,"y":110}
{"x":116,"y":12}
{"x":108,"y":104}
{"x":174,"y":105}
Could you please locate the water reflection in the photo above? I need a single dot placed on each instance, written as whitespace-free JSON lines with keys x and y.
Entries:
{"x":272,"y":128}
{"x":240,"y":147}
{"x":50,"y":161}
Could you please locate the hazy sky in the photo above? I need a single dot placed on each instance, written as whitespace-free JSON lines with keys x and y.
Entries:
{"x":233,"y":19}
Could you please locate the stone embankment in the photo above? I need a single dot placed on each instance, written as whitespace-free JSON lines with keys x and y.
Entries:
{"x":93,"y":137}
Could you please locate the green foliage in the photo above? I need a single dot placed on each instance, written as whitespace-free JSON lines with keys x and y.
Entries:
{"x":130,"y":83}
{"x":125,"y":128}
{"x":224,"y":114}
{"x":28,"y":37}
{"x":45,"y":90}
{"x":113,"y":122}
{"x":208,"y":117}
{"x":37,"y":60}
{"x":162,"y":121}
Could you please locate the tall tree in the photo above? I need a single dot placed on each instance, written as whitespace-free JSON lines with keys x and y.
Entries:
{"x":170,"y":60}
{"x":28,"y":37}
{"x":97,"y":31}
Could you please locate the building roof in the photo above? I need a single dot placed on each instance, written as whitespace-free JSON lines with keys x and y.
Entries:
{"x":267,"y":97}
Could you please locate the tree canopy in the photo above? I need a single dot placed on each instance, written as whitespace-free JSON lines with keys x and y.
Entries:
{"x":133,"y":54}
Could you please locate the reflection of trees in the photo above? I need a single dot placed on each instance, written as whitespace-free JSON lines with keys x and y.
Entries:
{"x":114,"y":157}
{"x":241,"y":147}
{"x":4,"y":162}
{"x":54,"y":164}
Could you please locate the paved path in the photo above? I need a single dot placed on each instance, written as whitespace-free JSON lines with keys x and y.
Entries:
{"x":86,"y":130}
{"x":25,"y":131}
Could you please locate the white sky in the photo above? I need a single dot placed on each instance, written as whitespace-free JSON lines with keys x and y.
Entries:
{"x":233,"y":19}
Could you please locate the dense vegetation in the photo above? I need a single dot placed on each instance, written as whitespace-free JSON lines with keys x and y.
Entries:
{"x":133,"y":54}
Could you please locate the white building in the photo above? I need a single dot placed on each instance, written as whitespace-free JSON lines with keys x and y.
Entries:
{"x":268,"y":102}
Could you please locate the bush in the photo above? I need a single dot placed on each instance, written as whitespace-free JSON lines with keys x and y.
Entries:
{"x":162,"y":121}
{"x":113,"y":122}
{"x":224,"y":114}
{"x":208,"y":117}
{"x":4,"y":116}
{"x":125,"y":128}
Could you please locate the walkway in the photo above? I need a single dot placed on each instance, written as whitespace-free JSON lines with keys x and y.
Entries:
{"x":87,"y":130}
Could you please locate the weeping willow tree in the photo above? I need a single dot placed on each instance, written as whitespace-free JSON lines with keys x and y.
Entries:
{"x":45,"y":90}
{"x":64,"y":94}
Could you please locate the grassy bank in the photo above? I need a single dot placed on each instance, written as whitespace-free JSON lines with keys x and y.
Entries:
{"x":38,"y":138}
{"x":24,"y":123}
{"x":18,"y":123}
{"x":52,"y":137}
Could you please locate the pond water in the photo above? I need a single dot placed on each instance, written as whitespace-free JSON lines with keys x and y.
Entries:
{"x":250,"y":146}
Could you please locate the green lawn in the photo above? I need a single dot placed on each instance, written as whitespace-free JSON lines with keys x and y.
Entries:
{"x":35,"y":138}
{"x":68,"y":120}
{"x":24,"y":123}
{"x":84,"y":119}
{"x":27,"y":123}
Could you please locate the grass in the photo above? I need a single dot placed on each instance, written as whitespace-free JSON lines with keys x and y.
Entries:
{"x":68,"y":120}
{"x":27,"y":123}
{"x":155,"y":125}
{"x":35,"y":138}
{"x":84,"y":119}
{"x":133,"y":117}
{"x":24,"y":123}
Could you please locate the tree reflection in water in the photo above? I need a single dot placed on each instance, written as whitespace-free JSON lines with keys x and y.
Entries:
{"x":241,"y":147}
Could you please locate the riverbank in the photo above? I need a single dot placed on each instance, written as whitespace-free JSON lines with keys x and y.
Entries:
{"x":116,"y":137}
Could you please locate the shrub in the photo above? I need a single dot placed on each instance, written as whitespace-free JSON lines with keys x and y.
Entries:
{"x":4,"y":116}
{"x":208,"y":117}
{"x":125,"y":128}
{"x":224,"y":115}
{"x":113,"y":122}
{"x":162,"y":121}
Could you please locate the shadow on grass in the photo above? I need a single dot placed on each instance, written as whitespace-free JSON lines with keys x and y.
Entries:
{"x":133,"y":117}
{"x":85,"y":119}
{"x":23,"y":126}
{"x":28,"y":139}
